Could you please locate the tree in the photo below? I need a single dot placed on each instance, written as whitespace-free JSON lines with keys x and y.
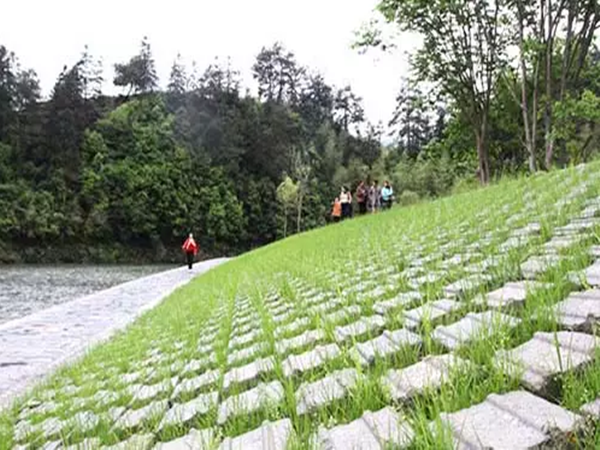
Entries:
{"x":277,"y":74}
{"x":462,"y":52}
{"x":348,"y":108}
{"x":409,"y":120}
{"x":287,"y":196}
{"x":139,"y":74}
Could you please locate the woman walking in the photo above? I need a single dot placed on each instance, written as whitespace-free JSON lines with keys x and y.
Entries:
{"x":345,"y":200}
{"x":191,"y":250}
{"x":387,"y":195}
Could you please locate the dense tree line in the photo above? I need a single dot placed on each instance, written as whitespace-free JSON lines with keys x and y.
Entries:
{"x":497,"y":87}
{"x":89,"y":176}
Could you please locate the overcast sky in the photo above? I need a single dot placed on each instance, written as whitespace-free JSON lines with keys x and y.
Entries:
{"x":46,"y":35}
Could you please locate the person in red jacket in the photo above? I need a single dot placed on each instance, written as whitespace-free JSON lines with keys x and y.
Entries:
{"x":191,"y":250}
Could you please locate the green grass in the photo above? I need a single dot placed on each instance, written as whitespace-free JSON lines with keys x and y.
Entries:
{"x":359,"y":262}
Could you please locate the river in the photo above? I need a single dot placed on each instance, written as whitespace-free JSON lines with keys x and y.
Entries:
{"x":27,"y":289}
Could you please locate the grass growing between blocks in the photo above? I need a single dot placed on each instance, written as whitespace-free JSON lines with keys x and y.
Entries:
{"x":330,"y":280}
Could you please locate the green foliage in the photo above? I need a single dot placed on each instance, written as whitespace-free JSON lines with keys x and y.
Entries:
{"x":408,"y":198}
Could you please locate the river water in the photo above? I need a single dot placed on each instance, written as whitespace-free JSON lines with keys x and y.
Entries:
{"x":27,"y":289}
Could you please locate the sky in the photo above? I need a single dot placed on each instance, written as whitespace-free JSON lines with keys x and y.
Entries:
{"x":46,"y":35}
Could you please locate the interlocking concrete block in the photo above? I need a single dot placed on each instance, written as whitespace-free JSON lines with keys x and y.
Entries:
{"x":342,"y":314}
{"x":536,"y":265}
{"x":292,"y":328}
{"x":429,"y":312}
{"x":249,"y":372}
{"x":141,"y":392}
{"x":270,"y":436}
{"x":359,"y":328}
{"x":84,"y":421}
{"x":315,"y":395}
{"x":246,"y":353}
{"x":373,"y":431}
{"x":306,"y":338}
{"x":517,"y":420}
{"x":511,"y":294}
{"x":312,"y":359}
{"x":245,"y":339}
{"x":466,"y":285}
{"x":192,"y":385}
{"x":400,"y":300}
{"x":592,"y":409}
{"x":194,"y":440}
{"x":135,"y":442}
{"x":388,"y":343}
{"x":430,"y":373}
{"x":547,"y":355}
{"x":430,"y":278}
{"x":473,"y":326}
{"x":247,"y":402}
{"x":135,"y":417}
{"x":580,"y":310}
{"x":592,"y":274}
{"x":180,"y":414}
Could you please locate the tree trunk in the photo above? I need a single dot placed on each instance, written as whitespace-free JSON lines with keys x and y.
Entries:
{"x":529,"y":128}
{"x":483,"y":157}
{"x":299,"y":215}
{"x":548,"y":109}
{"x":285,"y":220}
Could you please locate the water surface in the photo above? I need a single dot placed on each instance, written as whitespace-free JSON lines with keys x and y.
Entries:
{"x":27,"y":289}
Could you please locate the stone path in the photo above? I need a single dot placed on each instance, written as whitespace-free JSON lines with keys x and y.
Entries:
{"x":33,"y":346}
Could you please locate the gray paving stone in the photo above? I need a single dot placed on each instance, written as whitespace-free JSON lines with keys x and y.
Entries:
{"x":249,"y":372}
{"x":315,"y":395}
{"x":306,"y":338}
{"x":245,"y":339}
{"x":472,"y":326}
{"x":135,"y":442}
{"x":194,"y":440}
{"x":342,"y":314}
{"x":592,"y":409}
{"x":293,"y":327}
{"x":560,"y":243}
{"x":514,"y":242}
{"x":580,"y":310}
{"x":41,"y":409}
{"x":359,"y":328}
{"x":430,"y":278}
{"x":517,"y":420}
{"x":141,"y":392}
{"x":105,"y":398}
{"x":52,"y":427}
{"x":182,"y":413}
{"x":429,"y":311}
{"x":538,"y":360}
{"x":192,"y":385}
{"x":400,"y":300}
{"x":246,"y":353}
{"x":116,"y":412}
{"x":388,"y":343}
{"x":261,"y":396}
{"x":373,"y":431}
{"x":135,"y":417}
{"x":54,"y":445}
{"x":270,"y":436}
{"x":536,"y":265}
{"x":511,"y":294}
{"x":466,"y":285}
{"x":592,"y":274}
{"x":84,"y":421}
{"x":295,"y":364}
{"x":23,"y":429}
{"x":430,"y":373}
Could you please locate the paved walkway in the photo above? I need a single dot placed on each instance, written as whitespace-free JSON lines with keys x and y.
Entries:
{"x":33,"y":347}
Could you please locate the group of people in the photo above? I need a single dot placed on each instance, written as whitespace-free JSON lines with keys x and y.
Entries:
{"x":368,"y":198}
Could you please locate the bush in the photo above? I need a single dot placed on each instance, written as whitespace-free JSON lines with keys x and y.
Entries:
{"x":408,"y":198}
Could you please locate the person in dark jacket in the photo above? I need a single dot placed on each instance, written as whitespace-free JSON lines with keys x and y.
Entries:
{"x":361,"y":198}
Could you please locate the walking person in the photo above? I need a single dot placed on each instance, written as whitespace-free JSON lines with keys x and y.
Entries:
{"x":336,"y":211}
{"x":345,"y":201}
{"x":191,"y":250}
{"x":361,"y":198}
{"x":373,"y":195}
{"x":387,"y":195}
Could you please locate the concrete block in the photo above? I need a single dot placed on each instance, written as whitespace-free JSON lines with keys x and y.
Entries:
{"x":473,"y":326}
{"x":517,"y":420}
{"x":538,"y":360}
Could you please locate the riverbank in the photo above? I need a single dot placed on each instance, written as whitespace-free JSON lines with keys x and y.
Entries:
{"x":101,"y":254}
{"x":33,"y":346}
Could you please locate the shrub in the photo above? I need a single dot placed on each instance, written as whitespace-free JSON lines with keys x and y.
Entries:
{"x":408,"y":198}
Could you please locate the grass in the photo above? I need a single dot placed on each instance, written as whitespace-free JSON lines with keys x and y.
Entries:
{"x":306,"y":283}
